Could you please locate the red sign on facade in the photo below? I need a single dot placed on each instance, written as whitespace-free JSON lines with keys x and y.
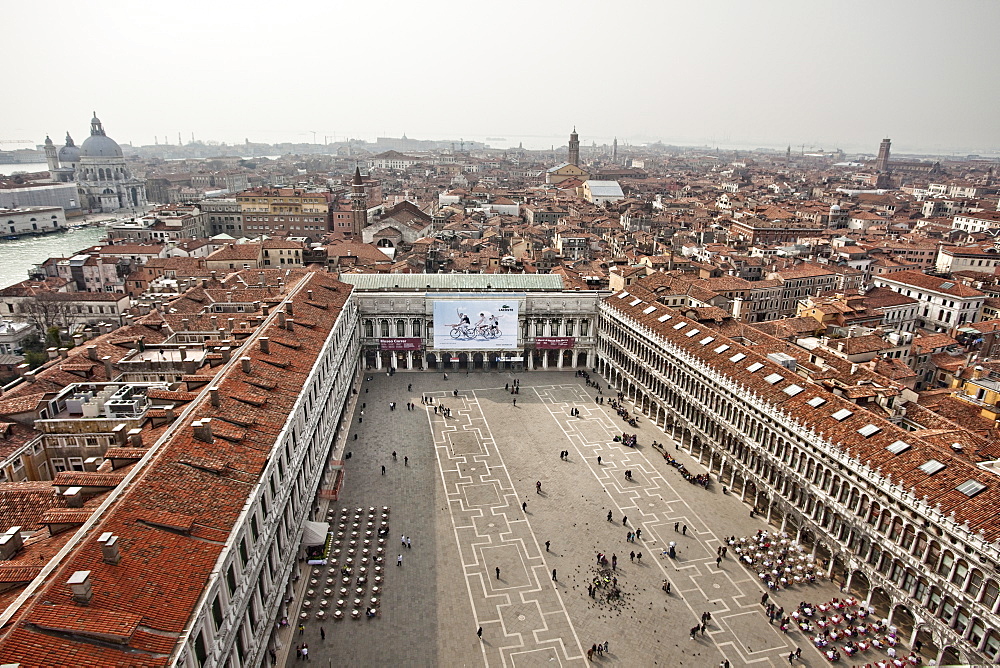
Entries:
{"x":401,"y":344}
{"x":554,"y":342}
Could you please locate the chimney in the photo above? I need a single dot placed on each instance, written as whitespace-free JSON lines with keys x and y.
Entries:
{"x":79,"y":584}
{"x":10,"y":543}
{"x":215,"y":321}
{"x":74,"y":497}
{"x":281,"y":319}
{"x":53,"y":352}
{"x":214,"y":391}
{"x":109,"y":550}
{"x":92,"y":352}
{"x":266,"y":310}
{"x":227,"y":353}
{"x":213,"y":276}
{"x":310,"y":294}
{"x":245,"y":364}
{"x":290,"y":325}
{"x":64,"y":353}
{"x":290,"y":308}
{"x":78,"y":339}
{"x":190,"y":365}
{"x":265,"y":343}
{"x":30,"y":375}
{"x":135,"y":438}
{"x":203,"y":429}
{"x":119,"y":434}
{"x":108,"y":369}
{"x":22,"y":369}
{"x":90,"y":464}
{"x":231,"y":324}
{"x":185,"y":324}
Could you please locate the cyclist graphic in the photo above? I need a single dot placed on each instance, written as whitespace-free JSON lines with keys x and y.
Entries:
{"x":462,"y":328}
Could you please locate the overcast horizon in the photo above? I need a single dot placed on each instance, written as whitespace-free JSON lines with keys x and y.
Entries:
{"x":819,"y":75}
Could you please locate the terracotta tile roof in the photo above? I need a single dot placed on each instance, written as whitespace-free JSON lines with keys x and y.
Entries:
{"x":840,"y":434}
{"x":12,"y":572}
{"x":115,"y":625}
{"x":87,"y":479}
{"x":24,"y":503}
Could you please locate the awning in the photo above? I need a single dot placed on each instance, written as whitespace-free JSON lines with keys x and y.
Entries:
{"x":314,"y":533}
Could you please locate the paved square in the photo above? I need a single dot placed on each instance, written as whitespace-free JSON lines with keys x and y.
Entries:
{"x":466,"y":497}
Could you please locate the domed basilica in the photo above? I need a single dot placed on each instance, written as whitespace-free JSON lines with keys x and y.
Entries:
{"x":98,"y":168}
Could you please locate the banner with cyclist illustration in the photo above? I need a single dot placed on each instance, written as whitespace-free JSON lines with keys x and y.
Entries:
{"x":467,"y":324}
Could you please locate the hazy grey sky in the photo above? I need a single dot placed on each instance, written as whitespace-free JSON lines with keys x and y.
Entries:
{"x":825,"y":74}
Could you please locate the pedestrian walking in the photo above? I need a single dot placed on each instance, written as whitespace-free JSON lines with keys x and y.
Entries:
{"x":406,"y":461}
{"x":554,"y":575}
{"x":383,"y":469}
{"x":614,"y":562}
{"x":718,"y":562}
{"x":703,"y":627}
{"x":498,"y":572}
{"x":515,"y":403}
{"x":605,"y":646}
{"x":598,"y":460}
{"x":791,"y":658}
{"x":302,"y":629}
{"x":399,"y":560}
{"x":684,"y":530}
{"x":638,"y":532}
{"x":631,"y":555}
{"x":624,"y":520}
{"x":480,"y":633}
{"x":538,"y":487}
{"x":524,"y":506}
{"x":638,"y":557}
{"x":693,"y":631}
{"x":409,"y":544}
{"x":402,"y":540}
{"x":546,"y":546}
{"x":609,"y":515}
{"x":798,"y":652}
{"x":393,"y":455}
{"x":763,"y":599}
{"x":409,"y":387}
{"x":676,"y":524}
{"x":506,"y":386}
{"x":590,"y":654}
{"x":322,"y":633}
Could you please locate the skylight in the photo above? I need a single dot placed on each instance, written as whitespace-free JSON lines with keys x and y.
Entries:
{"x":842,"y":415}
{"x":665,"y":317}
{"x":707,"y":340}
{"x":774,"y":378}
{"x":816,"y":402}
{"x":691,"y":332}
{"x":931,"y":467}
{"x":869,"y":430}
{"x":947,"y":285}
{"x":634,"y":302}
{"x":680,"y":325}
{"x":737,"y":357}
{"x":898,"y":448}
{"x":623,"y":295}
{"x":755,"y":367}
{"x":792,"y":390}
{"x":649,"y":310}
{"x":723,"y":348}
{"x":971,"y":487}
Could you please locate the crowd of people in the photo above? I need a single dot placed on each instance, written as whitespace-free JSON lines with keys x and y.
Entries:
{"x":702,"y":479}
{"x":780,"y":561}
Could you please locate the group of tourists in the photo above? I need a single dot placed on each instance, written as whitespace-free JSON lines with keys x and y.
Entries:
{"x":701,"y":479}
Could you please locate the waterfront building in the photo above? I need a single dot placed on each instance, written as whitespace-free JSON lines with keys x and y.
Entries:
{"x":103,"y":179}
{"x":32,"y":220}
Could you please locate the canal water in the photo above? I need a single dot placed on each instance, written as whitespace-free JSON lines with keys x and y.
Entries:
{"x":18,"y":256}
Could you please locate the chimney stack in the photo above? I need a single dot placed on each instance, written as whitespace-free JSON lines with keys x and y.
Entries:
{"x":92,"y":352}
{"x":281,"y":319}
{"x":109,"y":549}
{"x":265,"y":344}
{"x":214,"y":391}
{"x":245,"y":364}
{"x":109,"y":370}
{"x":290,"y":325}
{"x":290,"y":308}
{"x":90,"y":464}
{"x":310,"y":294}
{"x":135,"y":438}
{"x":119,"y":433}
{"x":74,"y":497}
{"x":10,"y":543}
{"x":227,"y":353}
{"x":79,"y":584}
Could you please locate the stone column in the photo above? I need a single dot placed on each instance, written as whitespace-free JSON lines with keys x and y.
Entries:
{"x":409,"y":359}
{"x":378,"y":359}
{"x":559,"y":364}
{"x":545,"y":359}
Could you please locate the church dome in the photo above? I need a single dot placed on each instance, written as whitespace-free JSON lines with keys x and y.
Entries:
{"x":70,"y":153}
{"x":98,"y":144}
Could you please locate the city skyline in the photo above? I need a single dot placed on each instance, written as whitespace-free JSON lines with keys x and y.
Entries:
{"x":768,"y":75}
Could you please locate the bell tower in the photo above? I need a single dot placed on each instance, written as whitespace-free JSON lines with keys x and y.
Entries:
{"x":359,"y":205}
{"x":50,"y":155}
{"x":574,"y":148}
{"x":882,"y":162}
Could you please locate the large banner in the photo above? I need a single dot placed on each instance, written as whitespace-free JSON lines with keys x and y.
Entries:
{"x":475,"y":324}
{"x":400,"y":344}
{"x":554,"y":342}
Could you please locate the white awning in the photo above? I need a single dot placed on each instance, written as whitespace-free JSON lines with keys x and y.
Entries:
{"x":314,"y":533}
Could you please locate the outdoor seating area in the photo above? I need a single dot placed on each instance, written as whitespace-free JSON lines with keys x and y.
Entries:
{"x":779,"y":561}
{"x":357,"y":549}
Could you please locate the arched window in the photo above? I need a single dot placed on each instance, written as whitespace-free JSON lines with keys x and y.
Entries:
{"x":975,"y":583}
{"x":369,"y":329}
{"x":990,"y":593}
{"x":584,"y":328}
{"x":384,"y":327}
{"x":416,"y":328}
{"x":400,"y":328}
